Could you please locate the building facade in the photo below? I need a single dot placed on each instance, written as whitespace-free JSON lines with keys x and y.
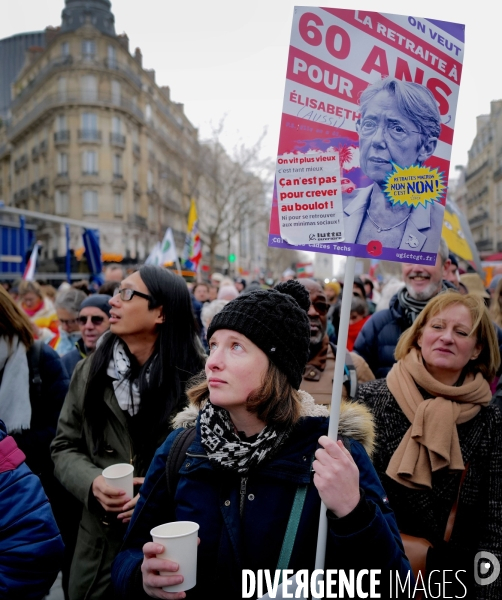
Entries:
{"x":479,"y":194}
{"x":92,"y":137}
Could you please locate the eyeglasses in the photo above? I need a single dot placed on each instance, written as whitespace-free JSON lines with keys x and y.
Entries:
{"x":321,"y":308}
{"x":68,"y":321}
{"x":396,"y":131}
{"x":127,"y":294}
{"x":95,"y":320}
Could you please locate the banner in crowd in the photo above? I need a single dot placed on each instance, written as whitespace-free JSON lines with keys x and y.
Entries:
{"x":192,"y":252}
{"x":31,"y":267}
{"x":366,"y":134}
{"x":163,"y":252}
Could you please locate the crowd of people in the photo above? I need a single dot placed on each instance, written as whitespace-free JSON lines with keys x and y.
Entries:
{"x":243,"y":370}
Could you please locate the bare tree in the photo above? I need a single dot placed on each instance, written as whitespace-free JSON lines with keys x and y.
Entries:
{"x":231,"y":190}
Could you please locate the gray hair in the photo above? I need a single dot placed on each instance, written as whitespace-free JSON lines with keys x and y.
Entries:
{"x":70,"y":300}
{"x":210,"y":310}
{"x":443,"y":251}
{"x":415,"y":101}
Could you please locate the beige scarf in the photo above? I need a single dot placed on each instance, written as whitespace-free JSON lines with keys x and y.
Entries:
{"x":431,"y":443}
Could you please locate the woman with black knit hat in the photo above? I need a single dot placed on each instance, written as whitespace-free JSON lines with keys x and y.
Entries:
{"x":255,"y":440}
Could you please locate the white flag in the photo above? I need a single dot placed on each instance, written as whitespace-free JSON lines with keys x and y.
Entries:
{"x":167,"y":253}
{"x":154,"y":256}
{"x":29,"y":272}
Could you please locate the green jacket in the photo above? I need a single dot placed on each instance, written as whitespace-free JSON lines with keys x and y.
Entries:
{"x":100,"y":534}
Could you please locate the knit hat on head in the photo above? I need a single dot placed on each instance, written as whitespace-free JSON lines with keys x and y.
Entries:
{"x":276,"y":321}
{"x":99,"y":301}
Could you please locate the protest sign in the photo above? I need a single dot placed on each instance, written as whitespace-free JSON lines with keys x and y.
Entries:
{"x":366,"y":133}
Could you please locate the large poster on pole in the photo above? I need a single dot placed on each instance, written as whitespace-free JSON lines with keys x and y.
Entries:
{"x":366,"y":134}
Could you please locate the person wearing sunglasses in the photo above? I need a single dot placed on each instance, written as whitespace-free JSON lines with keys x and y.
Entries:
{"x":119,"y":408}
{"x":399,"y":125}
{"x":93,"y":320}
{"x":318,"y":374}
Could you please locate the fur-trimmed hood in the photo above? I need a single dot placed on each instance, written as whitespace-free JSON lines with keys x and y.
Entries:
{"x":356,"y":421}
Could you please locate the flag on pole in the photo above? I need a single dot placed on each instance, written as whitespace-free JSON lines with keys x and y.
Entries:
{"x":192,"y":252}
{"x":163,"y":252}
{"x":29,"y":272}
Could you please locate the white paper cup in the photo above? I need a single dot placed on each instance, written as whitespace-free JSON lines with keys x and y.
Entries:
{"x":180,"y":545}
{"x":120,"y":477}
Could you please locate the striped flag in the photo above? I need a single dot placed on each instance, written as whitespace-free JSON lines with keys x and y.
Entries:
{"x":192,"y":252}
{"x":29,"y":272}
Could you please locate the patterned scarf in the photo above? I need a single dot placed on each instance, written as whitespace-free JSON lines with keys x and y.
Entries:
{"x":119,"y":369}
{"x":412,"y":307}
{"x":226,"y":450}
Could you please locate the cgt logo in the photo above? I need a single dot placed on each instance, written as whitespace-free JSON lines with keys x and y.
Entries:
{"x":486,"y":568}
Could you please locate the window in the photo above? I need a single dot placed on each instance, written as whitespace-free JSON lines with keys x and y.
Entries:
{"x":115,"y":92}
{"x":62,"y":88}
{"x":118,"y":205}
{"x":90,"y":162}
{"x":116,"y":125}
{"x":117,"y":165}
{"x":65,"y":49}
{"x":63,"y":164}
{"x":151,"y":213}
{"x":61,"y":123}
{"x":89,"y":121}
{"x":135,"y":173}
{"x":89,"y":87}
{"x":88,"y":49}
{"x":148,"y":113}
{"x":61,"y":202}
{"x":112,"y":57}
{"x":90,"y":202}
{"x":149,"y":180}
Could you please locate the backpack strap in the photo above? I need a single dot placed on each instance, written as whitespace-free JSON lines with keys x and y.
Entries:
{"x":33,"y":355}
{"x":350,"y":373}
{"x":176,"y":456}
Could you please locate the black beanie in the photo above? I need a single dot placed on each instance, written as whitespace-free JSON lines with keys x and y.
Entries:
{"x":276,"y":321}
{"x":99,"y":301}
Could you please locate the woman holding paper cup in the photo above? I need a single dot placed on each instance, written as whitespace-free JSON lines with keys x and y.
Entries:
{"x":255,"y":440}
{"x":118,"y":411}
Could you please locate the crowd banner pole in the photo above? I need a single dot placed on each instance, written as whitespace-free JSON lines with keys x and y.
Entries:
{"x":336,"y":394}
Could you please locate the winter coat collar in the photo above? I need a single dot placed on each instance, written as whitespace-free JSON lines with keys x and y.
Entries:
{"x":356,"y":421}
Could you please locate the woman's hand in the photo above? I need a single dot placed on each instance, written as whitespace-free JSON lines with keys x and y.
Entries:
{"x":125,"y":517}
{"x":153,"y":582}
{"x":110,"y":498}
{"x":336,"y":477}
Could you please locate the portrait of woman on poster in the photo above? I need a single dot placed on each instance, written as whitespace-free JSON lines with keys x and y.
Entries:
{"x":399,"y":124}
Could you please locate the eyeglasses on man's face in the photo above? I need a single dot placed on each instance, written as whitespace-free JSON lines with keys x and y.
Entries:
{"x":68,"y":322}
{"x":95,"y":320}
{"x":127,"y":294}
{"x":394,"y":129}
{"x":321,"y":307}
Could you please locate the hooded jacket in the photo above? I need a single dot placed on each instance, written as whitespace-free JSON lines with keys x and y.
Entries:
{"x":243,"y":519}
{"x":31,"y":549}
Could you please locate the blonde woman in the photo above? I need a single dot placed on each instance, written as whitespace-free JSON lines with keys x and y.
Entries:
{"x":435,"y":427}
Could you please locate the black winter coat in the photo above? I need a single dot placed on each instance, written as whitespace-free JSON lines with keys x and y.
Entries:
{"x":424,"y":513}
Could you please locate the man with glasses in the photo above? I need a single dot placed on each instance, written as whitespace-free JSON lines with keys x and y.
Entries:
{"x":93,"y":320}
{"x":67,"y":306}
{"x":400,"y":124}
{"x":318,"y":375}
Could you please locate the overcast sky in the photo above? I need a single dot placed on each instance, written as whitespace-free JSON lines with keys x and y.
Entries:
{"x":222,"y":57}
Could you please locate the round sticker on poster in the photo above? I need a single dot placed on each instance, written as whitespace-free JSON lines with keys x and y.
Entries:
{"x":374,"y":248}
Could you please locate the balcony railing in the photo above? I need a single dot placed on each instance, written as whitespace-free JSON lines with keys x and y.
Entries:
{"x":89,"y":135}
{"x":117,"y":139}
{"x":35,"y":152}
{"x":137,"y":221}
{"x":479,"y":218}
{"x":115,"y":65}
{"x":485,"y":244}
{"x":62,"y":137}
{"x":21,"y":195}
{"x":58,"y":101}
{"x":62,"y":61}
{"x":21,"y":162}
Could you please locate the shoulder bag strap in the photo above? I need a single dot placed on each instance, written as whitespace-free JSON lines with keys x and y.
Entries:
{"x":453,"y":512}
{"x":176,"y":456}
{"x":292,"y":528}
